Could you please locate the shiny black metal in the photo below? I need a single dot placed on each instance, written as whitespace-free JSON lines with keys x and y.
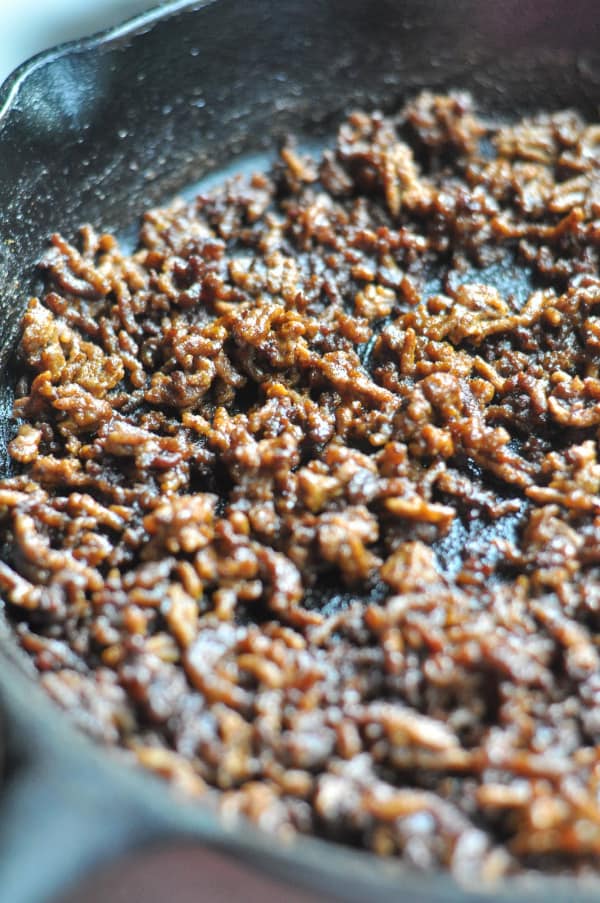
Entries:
{"x":96,"y":130}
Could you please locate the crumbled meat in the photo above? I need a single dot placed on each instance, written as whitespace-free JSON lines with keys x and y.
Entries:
{"x":305,"y":514}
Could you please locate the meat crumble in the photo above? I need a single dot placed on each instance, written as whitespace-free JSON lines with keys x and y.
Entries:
{"x":305,"y":509}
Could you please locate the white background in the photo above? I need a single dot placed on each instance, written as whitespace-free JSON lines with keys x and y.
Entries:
{"x":28,"y":26}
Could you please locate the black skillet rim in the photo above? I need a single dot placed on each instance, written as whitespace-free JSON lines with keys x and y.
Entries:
{"x":130,"y":27}
{"x":156,"y":815}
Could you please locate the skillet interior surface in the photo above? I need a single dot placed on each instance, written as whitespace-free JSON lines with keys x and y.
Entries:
{"x":100,"y":130}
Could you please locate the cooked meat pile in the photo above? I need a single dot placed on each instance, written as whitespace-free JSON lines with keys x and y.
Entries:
{"x":306,"y":504}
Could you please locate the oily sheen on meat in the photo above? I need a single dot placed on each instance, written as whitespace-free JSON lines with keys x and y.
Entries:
{"x":305,"y":506}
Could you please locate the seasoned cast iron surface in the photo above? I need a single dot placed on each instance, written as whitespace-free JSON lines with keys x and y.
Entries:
{"x":81,"y":135}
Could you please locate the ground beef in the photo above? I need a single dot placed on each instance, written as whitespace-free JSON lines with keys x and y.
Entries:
{"x":305,"y":513}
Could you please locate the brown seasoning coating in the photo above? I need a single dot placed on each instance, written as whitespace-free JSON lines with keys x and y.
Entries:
{"x":306,"y":513}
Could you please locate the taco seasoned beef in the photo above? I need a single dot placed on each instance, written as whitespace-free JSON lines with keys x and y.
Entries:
{"x":305,"y":511}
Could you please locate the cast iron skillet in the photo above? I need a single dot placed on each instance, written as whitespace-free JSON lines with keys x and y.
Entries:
{"x":96,"y":131}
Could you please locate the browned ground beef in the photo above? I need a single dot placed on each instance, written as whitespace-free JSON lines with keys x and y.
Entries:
{"x":307,"y":511}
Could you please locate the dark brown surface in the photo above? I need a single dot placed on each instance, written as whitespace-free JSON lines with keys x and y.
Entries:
{"x":307,"y":509}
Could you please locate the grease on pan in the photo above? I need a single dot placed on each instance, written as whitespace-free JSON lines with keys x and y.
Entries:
{"x":306,"y":512}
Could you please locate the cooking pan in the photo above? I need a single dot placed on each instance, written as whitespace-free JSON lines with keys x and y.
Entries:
{"x":98,"y":130}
